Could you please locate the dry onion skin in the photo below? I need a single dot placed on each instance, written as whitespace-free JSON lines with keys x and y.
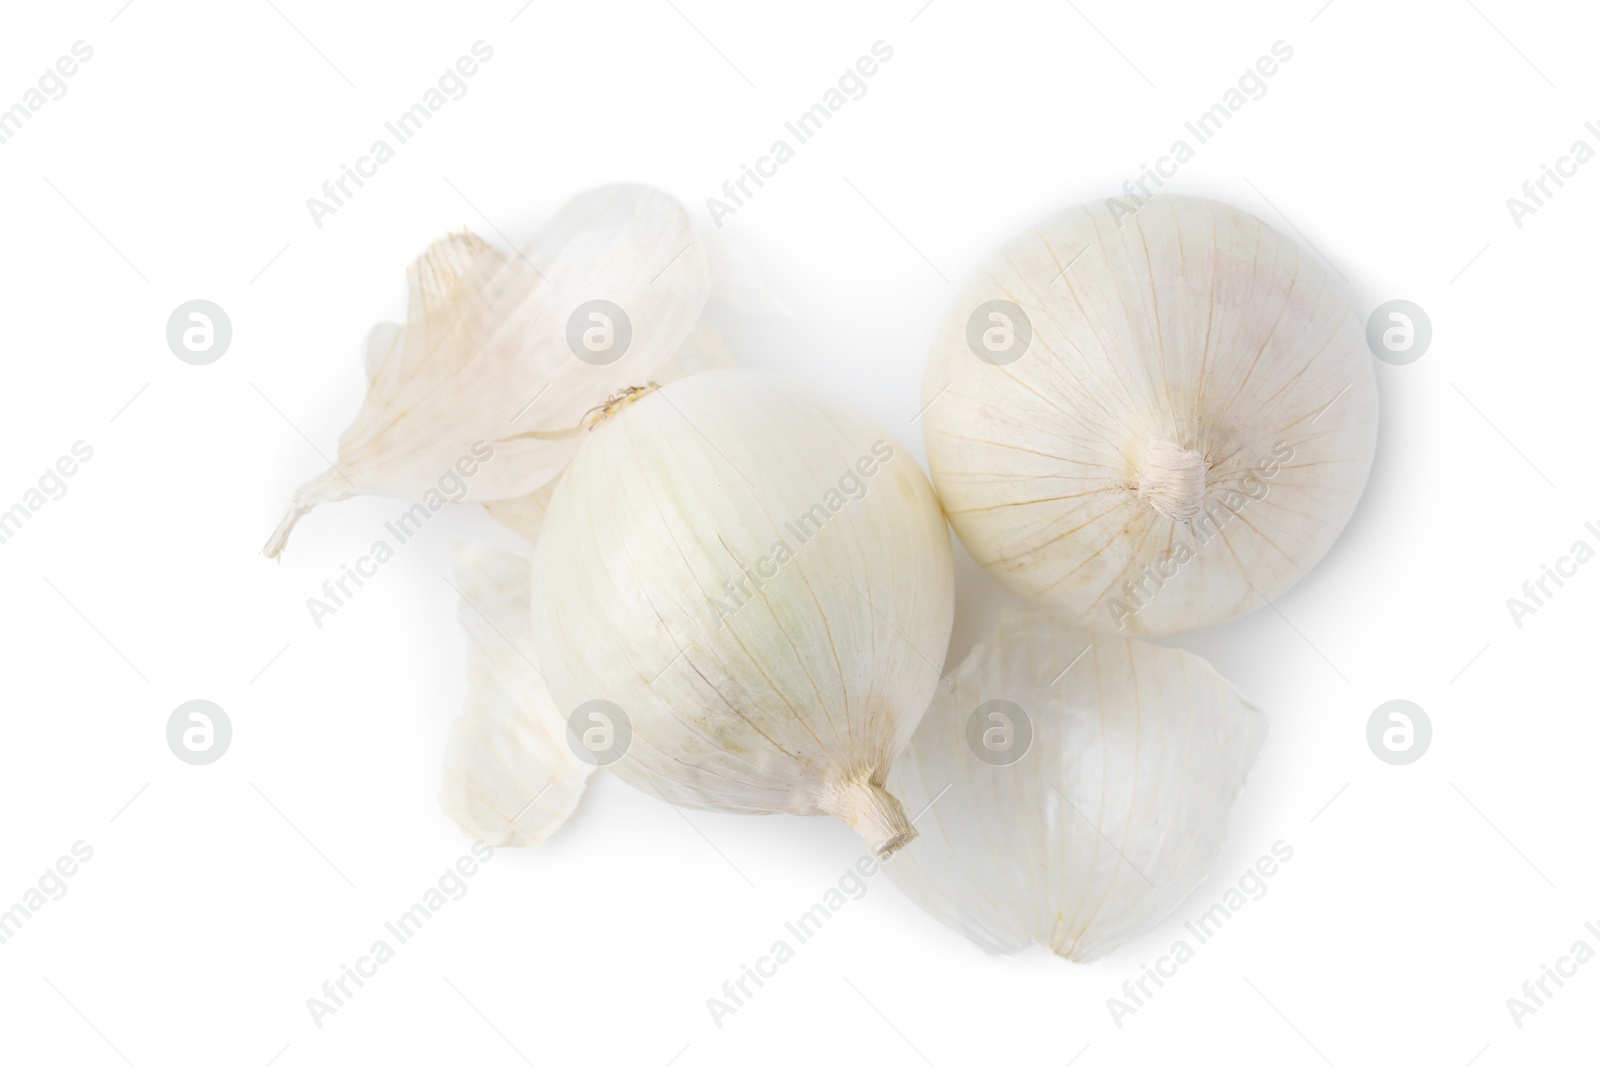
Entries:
{"x":742,"y":592}
{"x":1150,"y":422}
{"x":1075,"y":787}
{"x":486,"y":375}
{"x":509,"y":775}
{"x":701,"y":351}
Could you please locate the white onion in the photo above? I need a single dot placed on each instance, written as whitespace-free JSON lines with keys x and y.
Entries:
{"x":758,"y":582}
{"x":1151,"y":423}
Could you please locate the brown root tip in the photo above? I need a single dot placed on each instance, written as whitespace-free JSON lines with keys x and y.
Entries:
{"x":877,"y":816}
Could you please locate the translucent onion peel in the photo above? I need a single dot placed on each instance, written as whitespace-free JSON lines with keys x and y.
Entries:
{"x":509,"y":776}
{"x":485,"y":355}
{"x":1090,"y":808}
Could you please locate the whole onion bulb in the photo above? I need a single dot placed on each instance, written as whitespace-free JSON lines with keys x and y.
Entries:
{"x":747,"y":589}
{"x":1150,"y":422}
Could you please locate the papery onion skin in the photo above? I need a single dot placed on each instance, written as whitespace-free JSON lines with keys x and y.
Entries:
{"x":485,"y":356}
{"x":509,"y":775}
{"x":1187,"y":428}
{"x":798,"y":691}
{"x":1103,"y":821}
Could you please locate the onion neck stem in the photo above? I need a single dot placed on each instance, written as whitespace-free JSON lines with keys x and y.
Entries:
{"x":876,"y":815}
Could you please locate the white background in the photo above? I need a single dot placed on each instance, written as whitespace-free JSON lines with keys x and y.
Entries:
{"x":1419,"y":898}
